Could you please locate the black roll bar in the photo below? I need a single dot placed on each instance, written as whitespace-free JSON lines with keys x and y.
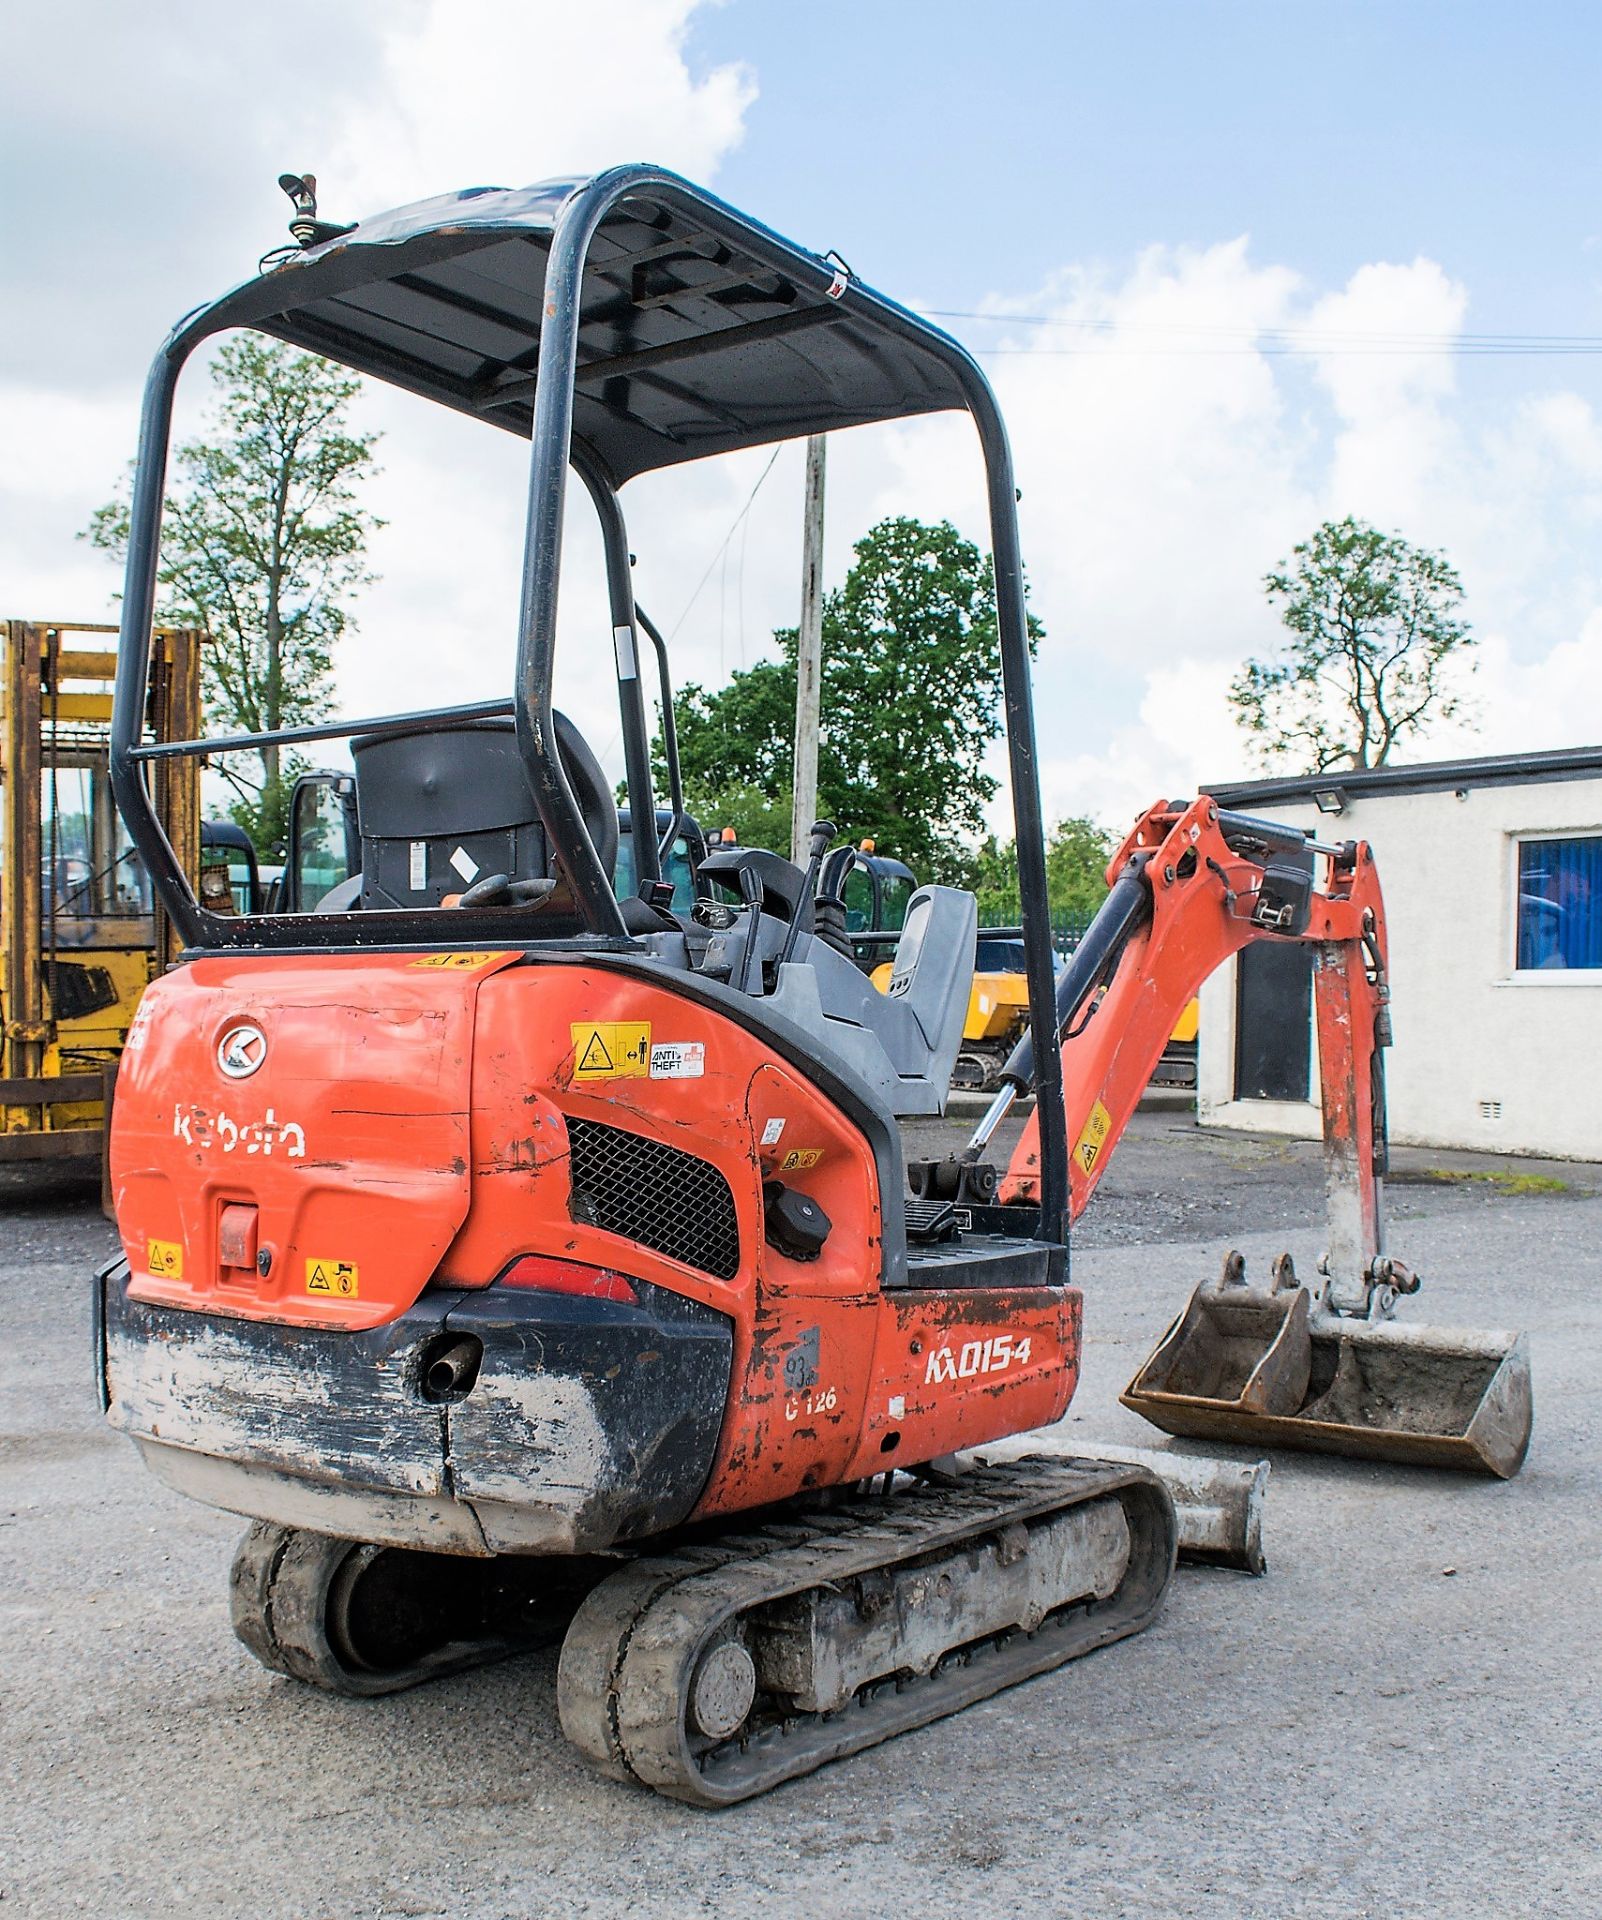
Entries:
{"x":670,"y":733}
{"x":551,"y":440}
{"x":424,"y":720}
{"x":133,"y":648}
{"x":626,"y":645}
{"x":551,"y":452}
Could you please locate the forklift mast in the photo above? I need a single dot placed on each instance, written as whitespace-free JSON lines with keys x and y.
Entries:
{"x":80,"y":934}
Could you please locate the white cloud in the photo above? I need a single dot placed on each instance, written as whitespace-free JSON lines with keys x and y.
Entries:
{"x":1166,"y":462}
{"x":482,"y":93}
{"x":1395,"y":436}
{"x":1171,"y":459}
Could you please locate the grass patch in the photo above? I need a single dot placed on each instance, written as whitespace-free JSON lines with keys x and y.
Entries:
{"x":1503,"y":1182}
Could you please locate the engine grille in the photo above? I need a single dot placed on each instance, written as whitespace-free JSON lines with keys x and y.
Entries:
{"x":663,"y":1198}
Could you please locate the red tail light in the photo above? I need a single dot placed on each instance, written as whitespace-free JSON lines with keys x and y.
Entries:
{"x":569,"y":1276}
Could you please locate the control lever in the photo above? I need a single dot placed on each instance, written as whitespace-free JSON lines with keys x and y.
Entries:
{"x":823,"y":832}
{"x":751,"y":893}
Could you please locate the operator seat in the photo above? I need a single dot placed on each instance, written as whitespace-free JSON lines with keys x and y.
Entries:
{"x":439,"y":810}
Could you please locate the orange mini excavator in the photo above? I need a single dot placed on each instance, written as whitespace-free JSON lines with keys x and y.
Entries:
{"x":522,"y":1260}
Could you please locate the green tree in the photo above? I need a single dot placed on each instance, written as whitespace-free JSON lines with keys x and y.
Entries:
{"x":1374,"y":653}
{"x":263,"y":545}
{"x":1077,"y":852}
{"x":1076,"y":867}
{"x":911,"y":692}
{"x":758,"y":818}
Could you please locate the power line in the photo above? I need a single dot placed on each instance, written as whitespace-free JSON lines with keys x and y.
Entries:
{"x":723,"y":545}
{"x":1284,"y":342}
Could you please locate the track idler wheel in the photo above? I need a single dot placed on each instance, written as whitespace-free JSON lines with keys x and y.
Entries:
{"x":361,"y":1619}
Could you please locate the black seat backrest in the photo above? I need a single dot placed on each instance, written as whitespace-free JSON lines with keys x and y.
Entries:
{"x":439,"y":810}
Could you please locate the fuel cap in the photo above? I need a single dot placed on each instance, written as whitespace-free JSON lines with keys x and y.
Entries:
{"x":796,"y":1224}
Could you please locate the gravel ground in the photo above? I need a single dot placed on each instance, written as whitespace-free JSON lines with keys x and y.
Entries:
{"x":1402,"y":1719}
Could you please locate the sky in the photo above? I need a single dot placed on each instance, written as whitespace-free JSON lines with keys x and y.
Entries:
{"x":1234,"y":268}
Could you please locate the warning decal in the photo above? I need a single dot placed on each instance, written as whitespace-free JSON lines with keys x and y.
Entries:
{"x":611,"y":1049}
{"x":460,"y":962}
{"x":1087,"y":1150}
{"x":800,"y":1157}
{"x":334,"y":1277}
{"x":165,"y":1260}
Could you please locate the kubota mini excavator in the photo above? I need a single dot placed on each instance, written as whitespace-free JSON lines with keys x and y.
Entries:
{"x":547,"y":1250}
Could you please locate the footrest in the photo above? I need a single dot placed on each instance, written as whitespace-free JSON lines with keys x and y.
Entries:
{"x":929,"y":1221}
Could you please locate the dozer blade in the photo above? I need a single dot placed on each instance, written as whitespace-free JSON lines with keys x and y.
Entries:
{"x":1273,"y":1368}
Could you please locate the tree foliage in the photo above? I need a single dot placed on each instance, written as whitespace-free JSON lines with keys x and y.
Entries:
{"x":910,"y":692}
{"x":1373,"y":655}
{"x":263,"y":545}
{"x":1077,"y":852}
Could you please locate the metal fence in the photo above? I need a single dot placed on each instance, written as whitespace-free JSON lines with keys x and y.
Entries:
{"x":1067,"y":929}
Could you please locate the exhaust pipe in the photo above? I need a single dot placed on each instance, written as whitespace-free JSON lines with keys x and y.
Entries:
{"x":450,"y":1371}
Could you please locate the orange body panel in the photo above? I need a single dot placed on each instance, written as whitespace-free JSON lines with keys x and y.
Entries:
{"x":349,"y":1137}
{"x":409,"y":1120}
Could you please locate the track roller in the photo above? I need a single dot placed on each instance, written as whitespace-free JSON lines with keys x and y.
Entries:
{"x":714,"y":1673}
{"x":361,"y":1619}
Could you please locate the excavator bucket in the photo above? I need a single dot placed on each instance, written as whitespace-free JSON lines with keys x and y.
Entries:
{"x":1327,"y":1369}
{"x":1274,"y":1367}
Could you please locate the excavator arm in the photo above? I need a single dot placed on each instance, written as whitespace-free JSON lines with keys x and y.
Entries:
{"x":1191,"y":886}
{"x":1321,"y":1367}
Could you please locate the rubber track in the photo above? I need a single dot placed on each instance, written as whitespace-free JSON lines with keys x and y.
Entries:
{"x":634,"y":1645}
{"x":279,"y":1594}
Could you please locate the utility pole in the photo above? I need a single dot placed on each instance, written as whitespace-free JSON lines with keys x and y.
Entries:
{"x":808,"y":659}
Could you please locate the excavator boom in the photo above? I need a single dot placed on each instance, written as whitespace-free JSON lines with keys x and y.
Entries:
{"x":1325,"y":1369}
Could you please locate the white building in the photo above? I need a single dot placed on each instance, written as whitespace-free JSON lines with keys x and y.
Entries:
{"x":1492,"y":874}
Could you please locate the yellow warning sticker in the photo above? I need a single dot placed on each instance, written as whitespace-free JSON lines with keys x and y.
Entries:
{"x":457,"y":962}
{"x":800,"y":1157}
{"x":611,"y":1049}
{"x":165,"y":1259}
{"x":334,"y":1277}
{"x":1087,"y":1150}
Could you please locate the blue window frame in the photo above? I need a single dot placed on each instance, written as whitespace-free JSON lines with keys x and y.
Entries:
{"x":1560,"y":903}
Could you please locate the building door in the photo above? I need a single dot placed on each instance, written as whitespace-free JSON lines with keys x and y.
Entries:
{"x":1274,"y":1021}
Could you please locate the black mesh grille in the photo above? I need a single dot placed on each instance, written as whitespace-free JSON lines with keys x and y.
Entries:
{"x":666,"y":1200}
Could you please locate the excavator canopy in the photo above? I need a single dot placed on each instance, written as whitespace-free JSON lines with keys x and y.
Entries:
{"x":699,"y":331}
{"x":623,"y":323}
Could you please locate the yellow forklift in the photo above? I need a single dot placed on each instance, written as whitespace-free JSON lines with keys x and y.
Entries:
{"x":80,"y":933}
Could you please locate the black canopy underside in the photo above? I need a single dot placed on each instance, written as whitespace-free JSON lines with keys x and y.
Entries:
{"x":701,"y":331}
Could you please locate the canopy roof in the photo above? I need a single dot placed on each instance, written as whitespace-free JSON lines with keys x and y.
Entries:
{"x":701,"y":331}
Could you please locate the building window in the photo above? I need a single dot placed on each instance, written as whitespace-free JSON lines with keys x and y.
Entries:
{"x":1560,"y":903}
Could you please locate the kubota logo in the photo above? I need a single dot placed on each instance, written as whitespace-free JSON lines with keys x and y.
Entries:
{"x":241,"y":1050}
